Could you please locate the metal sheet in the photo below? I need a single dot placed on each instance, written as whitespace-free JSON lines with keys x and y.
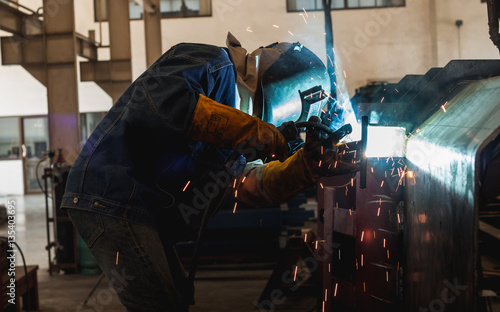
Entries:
{"x":442,"y":201}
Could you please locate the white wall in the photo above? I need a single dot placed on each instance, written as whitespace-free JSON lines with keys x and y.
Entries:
{"x":11,"y":182}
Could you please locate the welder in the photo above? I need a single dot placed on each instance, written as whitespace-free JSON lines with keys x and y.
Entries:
{"x":199,"y":116}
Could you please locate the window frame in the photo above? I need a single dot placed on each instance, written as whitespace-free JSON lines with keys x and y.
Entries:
{"x":19,"y":138}
{"x":346,"y":7}
{"x":163,"y":14}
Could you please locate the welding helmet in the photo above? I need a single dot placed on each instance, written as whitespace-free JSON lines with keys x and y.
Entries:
{"x":280,"y":82}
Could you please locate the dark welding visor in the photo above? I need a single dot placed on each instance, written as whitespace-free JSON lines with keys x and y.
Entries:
{"x":292,"y":87}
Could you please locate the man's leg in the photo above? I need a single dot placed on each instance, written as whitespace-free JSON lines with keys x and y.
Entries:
{"x":133,"y":259}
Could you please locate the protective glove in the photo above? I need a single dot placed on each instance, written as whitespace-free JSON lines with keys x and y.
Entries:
{"x":281,"y":181}
{"x":227,"y":127}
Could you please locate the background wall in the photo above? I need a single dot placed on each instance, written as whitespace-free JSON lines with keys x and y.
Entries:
{"x":371,"y":44}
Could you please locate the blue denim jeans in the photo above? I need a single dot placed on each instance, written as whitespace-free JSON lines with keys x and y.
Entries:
{"x":145,"y":273}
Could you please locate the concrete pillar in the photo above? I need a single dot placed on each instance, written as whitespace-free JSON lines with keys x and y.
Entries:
{"x":62,"y":85}
{"x":152,"y":29}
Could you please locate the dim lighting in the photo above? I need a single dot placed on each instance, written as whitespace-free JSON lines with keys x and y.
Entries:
{"x":295,"y":273}
{"x":384,"y":242}
{"x":364,"y":287}
{"x":361,"y":259}
{"x":362,"y":235}
{"x":326,"y":294}
{"x":321,"y":185}
{"x":117,"y":255}
{"x":234,"y":209}
{"x":336,"y":286}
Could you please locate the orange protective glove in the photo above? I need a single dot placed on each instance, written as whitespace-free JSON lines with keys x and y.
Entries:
{"x":227,"y":127}
{"x":281,"y":181}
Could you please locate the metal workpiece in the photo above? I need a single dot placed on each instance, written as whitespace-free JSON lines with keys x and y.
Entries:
{"x":365,"y":231}
{"x":443,"y":201}
{"x":415,"y":98}
{"x":414,"y":238}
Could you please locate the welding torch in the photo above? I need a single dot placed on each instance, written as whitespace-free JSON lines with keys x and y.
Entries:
{"x":290,"y":131}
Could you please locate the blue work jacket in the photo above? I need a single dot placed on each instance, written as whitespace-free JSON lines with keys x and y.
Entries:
{"x":138,"y":164}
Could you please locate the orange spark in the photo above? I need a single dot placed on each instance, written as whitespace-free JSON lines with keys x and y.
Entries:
{"x":185,"y":187}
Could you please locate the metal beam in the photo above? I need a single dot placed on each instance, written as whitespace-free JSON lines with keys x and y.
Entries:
{"x":16,"y":22}
{"x":113,"y":76}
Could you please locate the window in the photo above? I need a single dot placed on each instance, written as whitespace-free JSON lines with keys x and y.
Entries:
{"x":9,"y":138}
{"x":168,"y":8}
{"x":88,"y":122}
{"x":317,"y":5}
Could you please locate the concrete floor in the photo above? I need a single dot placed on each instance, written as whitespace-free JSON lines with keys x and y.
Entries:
{"x":216,"y":290}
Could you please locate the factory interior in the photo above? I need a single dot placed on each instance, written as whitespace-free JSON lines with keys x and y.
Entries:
{"x":415,"y":86}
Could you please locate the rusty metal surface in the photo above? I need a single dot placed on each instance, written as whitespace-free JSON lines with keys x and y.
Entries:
{"x":442,"y":199}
